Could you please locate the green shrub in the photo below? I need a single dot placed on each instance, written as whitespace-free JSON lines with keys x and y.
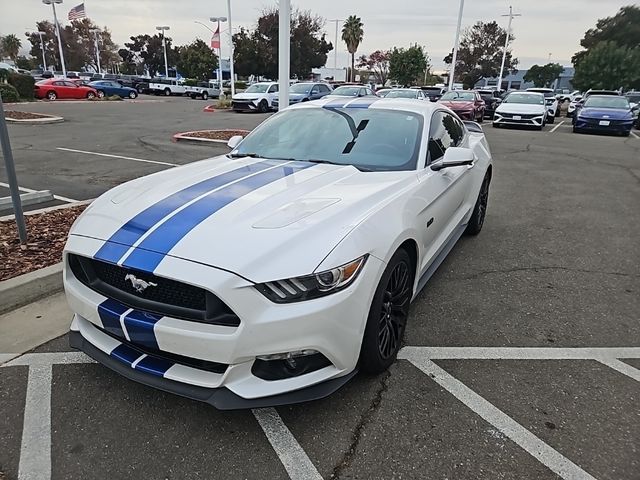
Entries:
{"x":240,"y":85}
{"x":224,"y":102}
{"x":4,"y":73}
{"x":191,"y":82}
{"x":23,"y":83}
{"x":8,"y":93}
{"x":113,"y":98}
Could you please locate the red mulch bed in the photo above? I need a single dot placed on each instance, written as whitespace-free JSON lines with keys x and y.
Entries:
{"x":46,"y":236}
{"x":217,"y":134}
{"x":24,"y":115}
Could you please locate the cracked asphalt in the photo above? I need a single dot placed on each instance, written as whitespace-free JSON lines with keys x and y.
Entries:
{"x":556,"y":265}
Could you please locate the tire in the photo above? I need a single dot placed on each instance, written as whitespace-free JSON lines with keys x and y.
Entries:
{"x":193,"y":96}
{"x":480,"y":209}
{"x":480,"y":119}
{"x":388,"y":315}
{"x":132,"y":95}
{"x":51,"y":95}
{"x":91,"y":95}
{"x":496,"y":125}
{"x":576,"y":130}
{"x":205,"y":95}
{"x":167,"y":92}
{"x":552,"y":119}
{"x":263,"y":106}
{"x":100,"y":94}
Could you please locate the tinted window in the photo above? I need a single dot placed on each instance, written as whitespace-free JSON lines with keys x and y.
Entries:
{"x":445,"y":131}
{"x":315,"y":90}
{"x":607,"y":102}
{"x":69,"y":84}
{"x":346,"y":91}
{"x":58,"y":84}
{"x":273,"y":89}
{"x":324,"y":89}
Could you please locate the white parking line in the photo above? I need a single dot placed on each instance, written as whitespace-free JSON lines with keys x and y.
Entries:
{"x":557,"y":126}
{"x":546,"y":455}
{"x":293,"y":457}
{"x":30,"y":190}
{"x":622,"y":367}
{"x":519,"y":353}
{"x":156,"y":162}
{"x":635,"y":135}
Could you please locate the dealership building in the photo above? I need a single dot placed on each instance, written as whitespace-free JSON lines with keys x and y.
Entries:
{"x":515,"y":81}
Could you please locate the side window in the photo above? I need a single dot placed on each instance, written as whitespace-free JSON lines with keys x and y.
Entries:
{"x":445,"y":131}
{"x":69,"y":84}
{"x":324,"y":89}
{"x":273,"y":89}
{"x":59,"y":84}
{"x":315,"y":90}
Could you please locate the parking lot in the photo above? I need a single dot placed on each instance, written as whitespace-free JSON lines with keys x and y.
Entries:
{"x":521,"y":358}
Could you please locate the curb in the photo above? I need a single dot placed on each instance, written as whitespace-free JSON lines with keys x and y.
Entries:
{"x":185,"y":137}
{"x":24,"y":289}
{"x":36,"y":121}
{"x":49,"y":209}
{"x":209,"y":109}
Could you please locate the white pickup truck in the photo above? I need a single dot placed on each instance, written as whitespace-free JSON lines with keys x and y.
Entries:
{"x":203,"y":90}
{"x":167,"y":86}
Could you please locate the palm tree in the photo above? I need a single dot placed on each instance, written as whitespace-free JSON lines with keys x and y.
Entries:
{"x":352,"y":33}
{"x":11,"y":46}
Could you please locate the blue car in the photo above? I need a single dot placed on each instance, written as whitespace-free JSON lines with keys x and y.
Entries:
{"x":604,"y":113}
{"x":109,"y":87}
{"x":305,"y":91}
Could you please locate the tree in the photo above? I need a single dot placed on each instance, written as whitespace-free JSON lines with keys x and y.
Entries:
{"x":378,"y":64}
{"x":543,"y":75}
{"x":196,"y":60}
{"x":146,"y":52}
{"x":50,"y":44}
{"x":623,"y":29}
{"x":480,"y":53}
{"x":406,"y":66}
{"x":256,"y":51}
{"x":10,"y":46}
{"x":609,"y":66}
{"x":28,"y":63}
{"x":352,"y":35}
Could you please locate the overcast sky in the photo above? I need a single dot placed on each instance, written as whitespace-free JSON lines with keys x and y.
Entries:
{"x":546,"y":26}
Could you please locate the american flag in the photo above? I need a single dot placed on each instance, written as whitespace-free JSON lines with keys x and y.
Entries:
{"x":77,"y":12}
{"x":215,"y":40}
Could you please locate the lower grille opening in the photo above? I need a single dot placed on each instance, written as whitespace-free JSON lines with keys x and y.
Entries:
{"x":171,"y":357}
{"x":288,"y":368}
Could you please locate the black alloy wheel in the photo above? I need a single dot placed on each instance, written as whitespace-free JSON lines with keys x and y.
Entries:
{"x":480,"y":210}
{"x":388,"y":315}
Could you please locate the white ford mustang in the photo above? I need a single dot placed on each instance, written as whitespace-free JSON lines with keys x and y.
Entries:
{"x":275,"y":273}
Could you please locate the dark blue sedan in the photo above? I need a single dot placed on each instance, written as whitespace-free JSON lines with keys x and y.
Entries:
{"x":305,"y":91}
{"x":604,"y":113}
{"x":109,"y":87}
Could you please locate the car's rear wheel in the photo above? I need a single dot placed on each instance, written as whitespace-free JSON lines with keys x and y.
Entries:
{"x":52,"y":95}
{"x":132,"y":95}
{"x":388,"y":315}
{"x":263,"y":106}
{"x":167,"y":92}
{"x":91,"y":95}
{"x":480,"y":118}
{"x":100,"y":94}
{"x":205,"y":95}
{"x":551,"y":119}
{"x":496,"y":125}
{"x":480,"y":210}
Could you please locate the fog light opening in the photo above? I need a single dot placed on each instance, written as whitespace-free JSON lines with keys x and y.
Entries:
{"x":279,"y":366}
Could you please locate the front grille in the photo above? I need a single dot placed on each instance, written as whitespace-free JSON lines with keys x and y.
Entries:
{"x":171,"y":357}
{"x":523,"y":116}
{"x":166,"y":297}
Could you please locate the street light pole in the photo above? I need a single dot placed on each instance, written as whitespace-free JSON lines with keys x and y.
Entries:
{"x":233,"y":79}
{"x":455,"y":46}
{"x":164,"y":46}
{"x":55,"y":20}
{"x":284,"y":50}
{"x":44,"y":59}
{"x":506,"y":44}
{"x":335,"y":46}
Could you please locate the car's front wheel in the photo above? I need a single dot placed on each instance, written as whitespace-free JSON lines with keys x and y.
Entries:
{"x":52,"y":95}
{"x":205,"y":95}
{"x":91,"y":95}
{"x":480,"y":210}
{"x":263,"y":106}
{"x":132,"y":95}
{"x":100,"y":94}
{"x":388,"y":315}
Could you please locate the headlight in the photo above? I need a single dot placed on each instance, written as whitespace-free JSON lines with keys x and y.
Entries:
{"x":315,"y":285}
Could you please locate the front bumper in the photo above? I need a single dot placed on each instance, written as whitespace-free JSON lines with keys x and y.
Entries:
{"x":244,"y":106}
{"x":533,"y":120}
{"x":332,"y":325}
{"x":593,"y":124}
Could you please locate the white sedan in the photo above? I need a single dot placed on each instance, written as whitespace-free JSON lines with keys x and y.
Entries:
{"x":522,"y":108}
{"x":273,"y":274}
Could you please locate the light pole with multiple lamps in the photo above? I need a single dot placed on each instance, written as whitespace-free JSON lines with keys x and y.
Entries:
{"x":218,"y":20}
{"x":455,"y":46}
{"x":44,"y":59}
{"x":284,"y":52}
{"x":55,"y":20}
{"x":506,"y":44}
{"x":164,"y":47}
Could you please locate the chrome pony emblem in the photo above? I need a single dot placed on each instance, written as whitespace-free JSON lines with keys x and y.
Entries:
{"x":138,"y":284}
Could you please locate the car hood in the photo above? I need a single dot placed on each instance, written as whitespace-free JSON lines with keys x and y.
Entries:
{"x":457,"y":105}
{"x":612,"y":113}
{"x":246,"y":96}
{"x":278,"y":220}
{"x":520,"y":108}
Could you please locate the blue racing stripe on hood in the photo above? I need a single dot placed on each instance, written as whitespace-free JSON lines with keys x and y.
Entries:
{"x":119,"y":243}
{"x":363,"y":102}
{"x":152,"y":250}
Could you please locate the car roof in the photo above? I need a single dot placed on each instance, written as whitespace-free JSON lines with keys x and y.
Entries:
{"x":404,"y":104}
{"x":539,"y":89}
{"x":525,"y":92}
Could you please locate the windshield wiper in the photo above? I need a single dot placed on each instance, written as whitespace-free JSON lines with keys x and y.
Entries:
{"x":329,"y":162}
{"x":257,"y":155}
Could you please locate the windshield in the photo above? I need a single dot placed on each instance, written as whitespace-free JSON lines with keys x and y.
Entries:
{"x":634,"y":98}
{"x":346,"y":91}
{"x":432,"y":89}
{"x":459,"y":96}
{"x":257,"y":88}
{"x":369,"y":139}
{"x":524,"y":98}
{"x":301,"y":87}
{"x":607,"y":102}
{"x":546,"y":93}
{"x":401,"y":94}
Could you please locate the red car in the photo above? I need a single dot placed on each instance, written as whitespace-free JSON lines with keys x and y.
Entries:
{"x":54,"y":88}
{"x":467,"y":104}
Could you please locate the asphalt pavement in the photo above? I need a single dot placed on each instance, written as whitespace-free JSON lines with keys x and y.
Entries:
{"x":550,"y":289}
